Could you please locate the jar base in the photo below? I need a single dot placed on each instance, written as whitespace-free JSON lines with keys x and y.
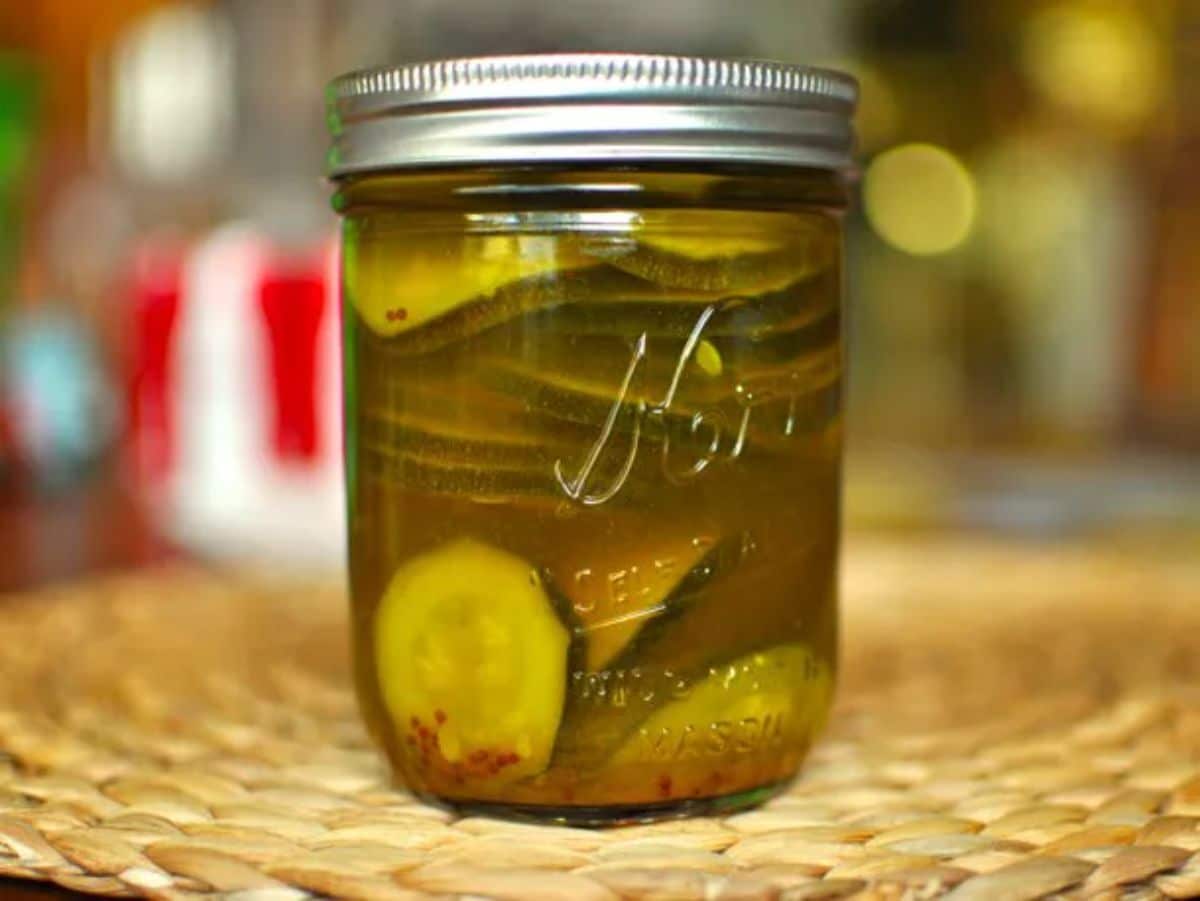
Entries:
{"x":615,"y":814}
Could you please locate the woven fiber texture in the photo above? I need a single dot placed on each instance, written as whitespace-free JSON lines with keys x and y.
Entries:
{"x":1013,"y":722}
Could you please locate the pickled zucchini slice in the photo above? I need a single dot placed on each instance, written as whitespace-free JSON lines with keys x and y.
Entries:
{"x":708,"y":247}
{"x":606,"y":701}
{"x":468,"y":480}
{"x":743,"y":611}
{"x":582,"y":377}
{"x":660,"y":316}
{"x":613,"y":594}
{"x":571,"y":284}
{"x":585,"y":396}
{"x":463,"y":407}
{"x":472,"y":662}
{"x":718,"y":251}
{"x":750,"y":351}
{"x":495,"y":483}
{"x":585,"y":399}
{"x":403,"y":284}
{"x":761,"y":701}
{"x":457,"y":441}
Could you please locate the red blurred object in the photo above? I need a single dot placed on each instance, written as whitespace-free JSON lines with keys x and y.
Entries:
{"x":156,"y":290}
{"x":293,"y":302}
{"x":8,"y":447}
{"x":235,"y":392}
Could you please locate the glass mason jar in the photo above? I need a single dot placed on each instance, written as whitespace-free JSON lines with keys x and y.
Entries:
{"x":593,"y":376}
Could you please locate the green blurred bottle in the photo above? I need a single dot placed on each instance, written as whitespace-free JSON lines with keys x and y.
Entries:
{"x":18,"y":120}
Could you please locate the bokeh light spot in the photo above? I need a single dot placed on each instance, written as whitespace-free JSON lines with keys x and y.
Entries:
{"x":920,"y":199}
{"x":1103,"y":63}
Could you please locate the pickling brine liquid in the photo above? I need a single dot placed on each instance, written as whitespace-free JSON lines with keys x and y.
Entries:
{"x":593,"y":475}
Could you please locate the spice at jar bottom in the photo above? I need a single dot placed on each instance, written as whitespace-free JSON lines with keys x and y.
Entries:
{"x":593,"y":426}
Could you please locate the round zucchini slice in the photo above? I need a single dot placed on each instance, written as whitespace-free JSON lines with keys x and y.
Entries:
{"x":472,"y":663}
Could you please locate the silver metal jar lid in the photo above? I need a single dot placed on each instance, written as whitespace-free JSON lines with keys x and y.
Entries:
{"x":590,"y":108}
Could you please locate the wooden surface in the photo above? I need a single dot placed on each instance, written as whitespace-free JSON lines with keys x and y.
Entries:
{"x":1013,"y":721}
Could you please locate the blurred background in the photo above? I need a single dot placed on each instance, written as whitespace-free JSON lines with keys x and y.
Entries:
{"x":1025,"y":259}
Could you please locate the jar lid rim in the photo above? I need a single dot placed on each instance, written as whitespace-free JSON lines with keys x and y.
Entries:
{"x":590,"y":107}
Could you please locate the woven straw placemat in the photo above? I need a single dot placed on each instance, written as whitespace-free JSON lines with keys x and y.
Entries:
{"x":1013,"y":722}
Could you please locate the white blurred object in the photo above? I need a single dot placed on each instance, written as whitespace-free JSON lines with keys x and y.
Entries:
{"x":253,"y":398}
{"x":173,"y":93}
